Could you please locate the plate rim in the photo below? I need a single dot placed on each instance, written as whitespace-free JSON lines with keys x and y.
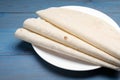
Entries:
{"x":65,"y":68}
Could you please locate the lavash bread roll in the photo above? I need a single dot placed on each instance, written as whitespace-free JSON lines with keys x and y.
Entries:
{"x":91,"y":29}
{"x":46,"y":29}
{"x":38,"y":40}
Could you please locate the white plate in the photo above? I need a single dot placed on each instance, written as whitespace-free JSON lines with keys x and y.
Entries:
{"x":69,"y":63}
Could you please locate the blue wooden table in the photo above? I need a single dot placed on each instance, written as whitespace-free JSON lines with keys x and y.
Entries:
{"x":18,"y":60}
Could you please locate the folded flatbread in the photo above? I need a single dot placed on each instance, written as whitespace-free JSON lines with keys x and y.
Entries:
{"x":91,"y":29}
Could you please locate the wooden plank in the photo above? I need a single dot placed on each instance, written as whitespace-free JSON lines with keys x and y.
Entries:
{"x":34,"y":5}
{"x":12,"y":21}
{"x":104,"y":0}
{"x":32,"y":67}
{"x":9,"y":45}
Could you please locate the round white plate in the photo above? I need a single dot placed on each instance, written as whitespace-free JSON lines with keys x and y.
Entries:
{"x":65,"y":62}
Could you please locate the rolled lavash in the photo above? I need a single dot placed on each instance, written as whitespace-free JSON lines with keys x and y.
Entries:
{"x":38,"y":40}
{"x":91,"y":29}
{"x":48,"y":30}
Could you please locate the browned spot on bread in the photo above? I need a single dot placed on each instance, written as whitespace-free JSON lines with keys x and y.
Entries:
{"x":65,"y":37}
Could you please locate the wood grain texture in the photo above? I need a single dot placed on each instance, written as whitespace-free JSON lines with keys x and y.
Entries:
{"x":32,"y":67}
{"x":18,"y":60}
{"x":33,"y":5}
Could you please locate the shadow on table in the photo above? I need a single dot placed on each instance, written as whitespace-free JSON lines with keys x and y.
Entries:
{"x":66,"y":73}
{"x":24,"y":48}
